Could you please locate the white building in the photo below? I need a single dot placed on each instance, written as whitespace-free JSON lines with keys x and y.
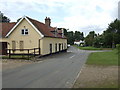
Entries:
{"x":79,"y":43}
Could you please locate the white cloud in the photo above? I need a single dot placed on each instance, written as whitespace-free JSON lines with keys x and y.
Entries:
{"x":82,"y":15}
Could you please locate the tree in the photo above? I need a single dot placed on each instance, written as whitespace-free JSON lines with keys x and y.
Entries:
{"x":112,"y":34}
{"x":18,"y":19}
{"x":98,"y":41}
{"x":110,"y":37}
{"x":70,"y":37}
{"x":90,"y":38}
{"x":3,"y":18}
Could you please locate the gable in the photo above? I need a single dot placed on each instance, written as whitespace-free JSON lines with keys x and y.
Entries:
{"x":27,"y":21}
{"x":17,"y":32}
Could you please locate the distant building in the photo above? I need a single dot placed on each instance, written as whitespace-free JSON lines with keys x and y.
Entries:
{"x":79,"y":42}
{"x":119,"y":10}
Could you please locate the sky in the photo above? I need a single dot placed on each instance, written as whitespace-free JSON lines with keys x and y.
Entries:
{"x":75,"y":15}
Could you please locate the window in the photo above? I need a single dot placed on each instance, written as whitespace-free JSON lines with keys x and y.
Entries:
{"x":21,"y":45}
{"x":64,"y":45}
{"x":13,"y":45}
{"x":24,"y":31}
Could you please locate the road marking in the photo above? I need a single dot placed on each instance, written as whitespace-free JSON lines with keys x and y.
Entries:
{"x":39,"y":61}
{"x":72,"y":56}
{"x":77,"y":76}
{"x":69,"y":51}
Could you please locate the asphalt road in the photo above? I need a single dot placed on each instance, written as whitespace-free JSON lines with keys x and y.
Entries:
{"x":55,"y":71}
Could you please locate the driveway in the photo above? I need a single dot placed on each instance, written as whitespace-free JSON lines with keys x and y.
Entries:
{"x":55,"y":71}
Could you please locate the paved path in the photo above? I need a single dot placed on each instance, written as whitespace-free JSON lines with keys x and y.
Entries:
{"x":56,"y":71}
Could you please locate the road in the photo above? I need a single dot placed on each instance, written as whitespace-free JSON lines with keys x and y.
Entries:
{"x":55,"y":71}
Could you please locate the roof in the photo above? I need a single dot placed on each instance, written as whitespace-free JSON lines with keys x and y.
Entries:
{"x":46,"y":31}
{"x":41,"y":27}
{"x":5,"y":28}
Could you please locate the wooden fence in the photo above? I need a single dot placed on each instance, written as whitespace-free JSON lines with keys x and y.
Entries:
{"x":34,"y":52}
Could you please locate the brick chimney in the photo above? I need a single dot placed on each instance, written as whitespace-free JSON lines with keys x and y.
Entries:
{"x":47,"y":21}
{"x":62,"y":32}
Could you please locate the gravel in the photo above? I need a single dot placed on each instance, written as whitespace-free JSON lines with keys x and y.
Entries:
{"x":93,"y":76}
{"x":13,"y":63}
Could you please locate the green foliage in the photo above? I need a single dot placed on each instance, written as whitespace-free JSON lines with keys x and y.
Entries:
{"x":109,"y":38}
{"x":90,"y":38}
{"x":3,"y":18}
{"x":71,"y":36}
{"x":112,"y":34}
{"x":18,"y":19}
{"x":88,"y":48}
{"x":18,"y":57}
{"x":118,"y":49}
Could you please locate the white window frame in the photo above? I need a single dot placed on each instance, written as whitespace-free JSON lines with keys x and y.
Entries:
{"x":24,"y":32}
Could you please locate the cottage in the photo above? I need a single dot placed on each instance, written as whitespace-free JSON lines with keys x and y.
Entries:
{"x":30,"y":34}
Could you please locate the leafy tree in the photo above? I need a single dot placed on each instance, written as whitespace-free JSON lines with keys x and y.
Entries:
{"x":78,"y":35}
{"x":112,"y":34}
{"x":109,"y":38}
{"x":70,"y":37}
{"x":18,"y":19}
{"x":90,"y":38}
{"x":3,"y":18}
{"x":98,"y":41}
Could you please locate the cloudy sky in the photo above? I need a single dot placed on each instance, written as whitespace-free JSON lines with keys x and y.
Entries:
{"x":75,"y":15}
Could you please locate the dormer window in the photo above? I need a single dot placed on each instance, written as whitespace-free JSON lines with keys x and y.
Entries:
{"x":24,"y":31}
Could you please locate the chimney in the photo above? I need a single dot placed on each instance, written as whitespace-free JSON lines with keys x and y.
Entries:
{"x":62,"y":32}
{"x":47,"y":21}
{"x":56,"y":32}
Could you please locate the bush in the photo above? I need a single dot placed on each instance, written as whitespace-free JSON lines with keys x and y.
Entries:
{"x":118,"y":48}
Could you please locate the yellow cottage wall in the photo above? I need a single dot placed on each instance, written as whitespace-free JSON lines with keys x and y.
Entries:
{"x":30,"y":41}
{"x":3,"y":39}
{"x":46,"y":41}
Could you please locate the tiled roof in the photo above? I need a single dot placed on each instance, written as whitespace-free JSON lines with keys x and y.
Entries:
{"x":5,"y":28}
{"x":46,"y":31}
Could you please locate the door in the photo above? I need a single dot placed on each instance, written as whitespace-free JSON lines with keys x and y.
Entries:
{"x":3,"y":47}
{"x":62,"y":46}
{"x":59,"y":47}
{"x":56,"y":47}
{"x":39,"y":46}
{"x":50,"y":48}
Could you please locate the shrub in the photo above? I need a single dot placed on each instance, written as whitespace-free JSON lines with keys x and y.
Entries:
{"x":118,"y":48}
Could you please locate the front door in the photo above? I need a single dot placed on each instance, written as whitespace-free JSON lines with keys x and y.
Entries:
{"x":59,"y":47}
{"x":3,"y":47}
{"x":50,"y":48}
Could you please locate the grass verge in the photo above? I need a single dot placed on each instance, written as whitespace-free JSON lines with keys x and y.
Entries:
{"x":103,"y":58}
{"x":91,"y":48}
{"x":100,"y":67}
{"x":16,"y":57}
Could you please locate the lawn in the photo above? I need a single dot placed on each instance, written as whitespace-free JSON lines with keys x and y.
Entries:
{"x":103,"y":58}
{"x":91,"y":48}
{"x":16,"y":57}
